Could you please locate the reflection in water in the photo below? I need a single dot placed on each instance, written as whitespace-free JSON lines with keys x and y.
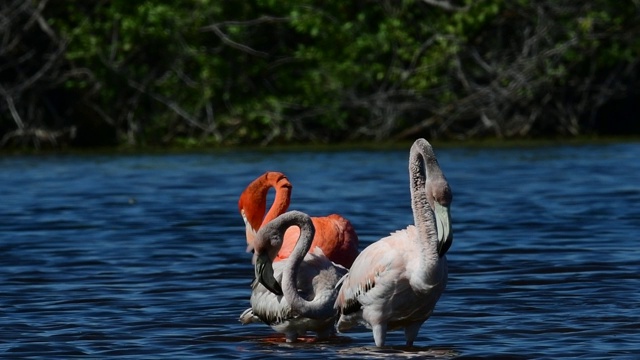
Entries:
{"x":544,"y":262}
{"x":371,"y":352}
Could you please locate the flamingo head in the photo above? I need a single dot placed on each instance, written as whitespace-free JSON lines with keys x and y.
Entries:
{"x":253,"y":202}
{"x":440,"y":199}
{"x":266,"y":246}
{"x":252,"y":205}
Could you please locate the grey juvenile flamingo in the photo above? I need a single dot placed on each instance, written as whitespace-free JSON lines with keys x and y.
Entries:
{"x":297,"y":294}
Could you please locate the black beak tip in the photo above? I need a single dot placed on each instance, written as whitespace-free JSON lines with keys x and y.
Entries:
{"x":272,"y":286}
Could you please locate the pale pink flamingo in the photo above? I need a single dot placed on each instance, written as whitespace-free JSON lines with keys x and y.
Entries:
{"x":334,"y":234}
{"x":304,"y":301}
{"x":396,"y":281}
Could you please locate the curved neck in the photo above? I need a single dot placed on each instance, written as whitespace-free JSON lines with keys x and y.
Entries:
{"x":420,"y":159}
{"x":308,"y":308}
{"x":282,"y":199}
{"x":253,"y":200}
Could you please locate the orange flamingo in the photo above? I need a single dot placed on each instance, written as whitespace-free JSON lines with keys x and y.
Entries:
{"x":335,"y":235}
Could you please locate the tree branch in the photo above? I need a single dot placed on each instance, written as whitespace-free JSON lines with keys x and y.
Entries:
{"x":12,"y":108}
{"x":216,"y":29}
{"x":445,"y":5}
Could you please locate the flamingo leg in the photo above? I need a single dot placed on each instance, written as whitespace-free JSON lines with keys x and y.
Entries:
{"x":291,"y":337}
{"x":411,"y":332}
{"x":379,"y":333}
{"x":325,"y":333}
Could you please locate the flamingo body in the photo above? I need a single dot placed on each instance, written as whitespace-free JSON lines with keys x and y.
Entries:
{"x":308,"y":283}
{"x":336,"y":238}
{"x":385,"y":285}
{"x":275,"y":310}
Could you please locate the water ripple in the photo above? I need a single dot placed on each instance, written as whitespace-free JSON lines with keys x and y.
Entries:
{"x":143,"y":256}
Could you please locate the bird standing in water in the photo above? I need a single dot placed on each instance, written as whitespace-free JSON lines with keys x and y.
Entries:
{"x":297,"y":294}
{"x":396,"y":281}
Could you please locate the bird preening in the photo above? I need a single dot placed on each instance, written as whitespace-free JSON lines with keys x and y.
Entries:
{"x":296,"y":295}
{"x":310,"y":276}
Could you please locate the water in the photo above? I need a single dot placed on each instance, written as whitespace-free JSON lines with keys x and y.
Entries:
{"x":139,"y":257}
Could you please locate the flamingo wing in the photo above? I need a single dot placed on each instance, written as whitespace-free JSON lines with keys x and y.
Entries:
{"x":377,"y":274}
{"x":337,"y":238}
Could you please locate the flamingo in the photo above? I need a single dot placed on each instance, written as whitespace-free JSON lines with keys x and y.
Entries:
{"x":334,"y":234}
{"x":396,"y":281}
{"x":305,"y":300}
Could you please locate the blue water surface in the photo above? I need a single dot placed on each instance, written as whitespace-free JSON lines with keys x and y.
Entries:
{"x":143,"y":256}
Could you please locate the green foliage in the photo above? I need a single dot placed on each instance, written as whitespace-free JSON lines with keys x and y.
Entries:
{"x":208,"y":71}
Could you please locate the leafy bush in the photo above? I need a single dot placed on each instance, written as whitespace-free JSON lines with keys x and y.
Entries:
{"x":223,"y":72}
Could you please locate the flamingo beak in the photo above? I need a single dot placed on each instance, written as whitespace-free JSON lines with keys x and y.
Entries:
{"x":250,"y":232}
{"x":443,"y":223}
{"x":264,"y":274}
